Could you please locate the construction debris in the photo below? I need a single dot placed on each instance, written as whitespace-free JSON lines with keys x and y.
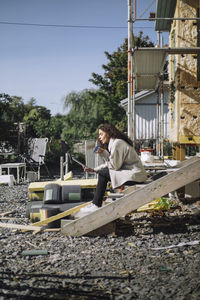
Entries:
{"x":34,"y":252}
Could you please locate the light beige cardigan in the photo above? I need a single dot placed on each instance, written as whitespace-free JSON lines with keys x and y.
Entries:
{"x":123,"y":163}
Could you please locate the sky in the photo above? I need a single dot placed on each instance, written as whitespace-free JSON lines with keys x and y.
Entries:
{"x":64,"y":45}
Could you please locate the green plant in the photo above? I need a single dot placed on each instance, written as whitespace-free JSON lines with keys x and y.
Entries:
{"x":163,"y":204}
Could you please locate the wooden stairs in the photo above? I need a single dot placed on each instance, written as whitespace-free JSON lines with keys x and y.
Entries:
{"x":187,"y":172}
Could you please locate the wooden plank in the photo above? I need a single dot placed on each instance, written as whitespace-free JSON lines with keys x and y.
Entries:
{"x":134,"y":200}
{"x":37,"y":231}
{"x":101,"y":231}
{"x":178,"y":152}
{"x":188,"y":161}
{"x":10,"y":218}
{"x":60,"y":215}
{"x":17,"y":226}
{"x":3,"y":214}
{"x":84,"y":183}
{"x":132,"y":188}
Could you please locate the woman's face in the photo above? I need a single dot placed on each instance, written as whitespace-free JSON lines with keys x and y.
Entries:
{"x":103,"y":137}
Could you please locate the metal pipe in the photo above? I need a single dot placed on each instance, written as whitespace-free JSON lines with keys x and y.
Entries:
{"x":166,"y":19}
{"x":86,"y":159}
{"x":162,"y":118}
{"x":157,"y":125}
{"x":130,"y":35}
{"x":61,"y":168}
{"x":194,"y":50}
{"x":133,"y":108}
{"x":66,"y":163}
{"x":158,"y":38}
{"x":135,"y":12}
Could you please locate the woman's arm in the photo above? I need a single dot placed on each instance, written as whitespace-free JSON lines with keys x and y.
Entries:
{"x":118,"y":150}
{"x":116,"y":160}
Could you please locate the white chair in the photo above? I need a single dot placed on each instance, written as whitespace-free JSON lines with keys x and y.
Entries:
{"x":36,"y":154}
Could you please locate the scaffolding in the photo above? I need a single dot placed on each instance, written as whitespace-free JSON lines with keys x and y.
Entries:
{"x":148,"y":63}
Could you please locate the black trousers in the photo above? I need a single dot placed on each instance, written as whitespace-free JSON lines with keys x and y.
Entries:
{"x":104,"y":178}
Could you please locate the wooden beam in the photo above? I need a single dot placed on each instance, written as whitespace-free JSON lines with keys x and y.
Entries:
{"x":101,"y":231}
{"x":3,"y":214}
{"x":179,"y":154}
{"x":17,"y":226}
{"x":134,"y":200}
{"x":188,"y":161}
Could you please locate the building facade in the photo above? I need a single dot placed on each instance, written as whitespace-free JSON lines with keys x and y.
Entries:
{"x":184,"y":75}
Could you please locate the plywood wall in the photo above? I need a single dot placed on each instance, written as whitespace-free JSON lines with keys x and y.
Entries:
{"x":185,"y":100}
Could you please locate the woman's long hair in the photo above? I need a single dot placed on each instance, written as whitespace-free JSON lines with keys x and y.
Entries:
{"x":114,"y":133}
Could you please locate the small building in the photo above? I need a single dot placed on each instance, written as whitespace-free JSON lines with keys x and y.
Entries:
{"x":148,"y":115}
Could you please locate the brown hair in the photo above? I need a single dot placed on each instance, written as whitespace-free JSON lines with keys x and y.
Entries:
{"x":114,"y":133}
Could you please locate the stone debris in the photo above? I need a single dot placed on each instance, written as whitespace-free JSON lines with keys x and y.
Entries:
{"x":122,"y":265}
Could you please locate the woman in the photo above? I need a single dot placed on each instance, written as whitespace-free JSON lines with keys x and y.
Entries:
{"x":122,"y":164}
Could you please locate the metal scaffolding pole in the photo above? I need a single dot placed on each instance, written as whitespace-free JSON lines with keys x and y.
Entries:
{"x":158,"y":126}
{"x":167,"y":19}
{"x":130,"y":72}
{"x":162,"y":118}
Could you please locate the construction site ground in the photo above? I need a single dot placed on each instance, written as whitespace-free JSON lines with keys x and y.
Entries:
{"x":149,"y":255}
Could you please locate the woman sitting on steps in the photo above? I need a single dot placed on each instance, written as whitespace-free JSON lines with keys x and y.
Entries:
{"x":122,"y":164}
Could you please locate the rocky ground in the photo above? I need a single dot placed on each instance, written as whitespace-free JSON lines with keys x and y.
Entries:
{"x":125,"y":265}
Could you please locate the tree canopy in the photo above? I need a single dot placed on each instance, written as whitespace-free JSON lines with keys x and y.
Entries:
{"x":89,"y":108}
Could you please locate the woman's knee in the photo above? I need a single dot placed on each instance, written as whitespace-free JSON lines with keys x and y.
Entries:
{"x":104,"y":174}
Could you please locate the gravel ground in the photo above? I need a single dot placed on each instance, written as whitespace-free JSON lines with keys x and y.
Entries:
{"x":120,"y":266}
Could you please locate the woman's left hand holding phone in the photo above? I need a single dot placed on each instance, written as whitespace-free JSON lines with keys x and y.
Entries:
{"x":88,"y":170}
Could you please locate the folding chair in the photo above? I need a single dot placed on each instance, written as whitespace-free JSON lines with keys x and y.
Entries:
{"x":35,"y":154}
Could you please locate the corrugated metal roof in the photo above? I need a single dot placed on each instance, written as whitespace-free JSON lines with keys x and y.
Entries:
{"x":164,"y":9}
{"x":138,"y":96}
{"x":147,"y":66}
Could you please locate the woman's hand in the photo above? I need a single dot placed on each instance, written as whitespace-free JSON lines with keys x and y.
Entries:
{"x":98,"y":149}
{"x":88,"y":170}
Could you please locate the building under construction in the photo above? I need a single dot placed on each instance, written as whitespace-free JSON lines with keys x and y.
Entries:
{"x":181,"y":19}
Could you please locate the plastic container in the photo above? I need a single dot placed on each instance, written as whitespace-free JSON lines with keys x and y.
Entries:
{"x":146,"y":155}
{"x":52,"y":194}
{"x":71,"y":193}
{"x":47,"y":212}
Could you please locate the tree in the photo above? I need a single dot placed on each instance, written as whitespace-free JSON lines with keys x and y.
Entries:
{"x":37,"y":122}
{"x":11,"y":114}
{"x":14,"y":111}
{"x":88,"y":108}
{"x":113,"y":84}
{"x":84,"y":116}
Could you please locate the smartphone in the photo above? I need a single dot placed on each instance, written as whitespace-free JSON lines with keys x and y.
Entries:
{"x":96,"y":149}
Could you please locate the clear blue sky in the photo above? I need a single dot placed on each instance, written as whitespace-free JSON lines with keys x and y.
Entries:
{"x":49,"y":62}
